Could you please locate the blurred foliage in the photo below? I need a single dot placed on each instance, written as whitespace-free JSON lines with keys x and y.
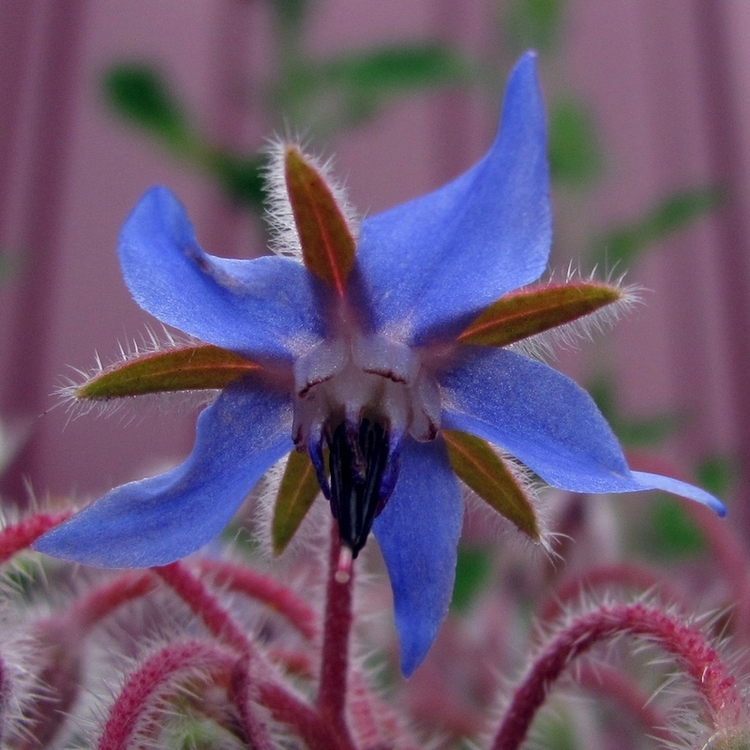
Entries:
{"x":533,"y":23}
{"x":472,"y":574}
{"x":354,"y":87}
{"x":669,"y":531}
{"x":310,"y":94}
{"x":574,"y":156}
{"x":140,"y":94}
{"x":717,"y":474}
{"x":622,"y":245}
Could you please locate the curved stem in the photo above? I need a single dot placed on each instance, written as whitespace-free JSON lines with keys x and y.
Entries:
{"x":336,"y":628}
{"x":192,"y":591}
{"x":687,"y":644}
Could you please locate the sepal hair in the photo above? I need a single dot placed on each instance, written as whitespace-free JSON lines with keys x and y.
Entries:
{"x":285,"y":239}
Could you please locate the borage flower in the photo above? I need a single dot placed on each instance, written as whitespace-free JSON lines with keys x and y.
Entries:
{"x":380,"y":362}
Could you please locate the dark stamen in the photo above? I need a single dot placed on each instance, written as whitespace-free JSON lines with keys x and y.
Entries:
{"x":358,"y":456}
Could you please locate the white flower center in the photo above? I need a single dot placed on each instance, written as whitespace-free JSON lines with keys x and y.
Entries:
{"x":350,"y":379}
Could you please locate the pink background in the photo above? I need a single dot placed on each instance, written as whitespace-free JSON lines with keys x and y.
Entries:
{"x":667,"y":82}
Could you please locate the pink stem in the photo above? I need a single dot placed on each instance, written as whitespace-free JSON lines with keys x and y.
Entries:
{"x":317,"y":733}
{"x":106,"y":598}
{"x":159,"y":673}
{"x":335,"y":658}
{"x":192,"y":591}
{"x":20,"y":535}
{"x":687,"y":644}
{"x":265,"y":589}
{"x":255,"y":731}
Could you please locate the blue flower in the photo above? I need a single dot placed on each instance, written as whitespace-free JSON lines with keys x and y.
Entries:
{"x":384,"y":361}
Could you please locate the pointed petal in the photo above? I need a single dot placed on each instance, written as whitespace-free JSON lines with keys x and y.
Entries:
{"x":158,"y":520}
{"x":480,"y":468}
{"x":327,"y":243}
{"x":536,"y":414}
{"x":184,"y":369}
{"x":299,"y":487}
{"x":433,"y":264}
{"x":523,"y":314}
{"x":683,"y":489}
{"x":418,"y":534}
{"x":546,"y":421}
{"x":265,"y":307}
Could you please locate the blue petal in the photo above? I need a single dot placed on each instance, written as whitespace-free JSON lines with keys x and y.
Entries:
{"x":546,"y":421}
{"x":430,"y":265}
{"x":158,"y":520}
{"x":418,"y":534}
{"x":267,"y":307}
{"x":676,"y":487}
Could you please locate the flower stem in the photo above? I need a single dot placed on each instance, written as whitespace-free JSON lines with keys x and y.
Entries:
{"x":263,"y":588}
{"x":687,"y":644}
{"x":192,"y":591}
{"x":336,"y":628}
{"x":158,"y":677}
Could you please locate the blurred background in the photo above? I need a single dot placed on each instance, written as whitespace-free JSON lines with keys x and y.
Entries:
{"x":649,"y":106}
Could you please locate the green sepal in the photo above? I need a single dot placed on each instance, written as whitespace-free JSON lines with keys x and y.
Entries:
{"x":190,"y":368}
{"x":327,"y":244}
{"x":520,"y":315}
{"x":480,"y":468}
{"x":298,"y":488}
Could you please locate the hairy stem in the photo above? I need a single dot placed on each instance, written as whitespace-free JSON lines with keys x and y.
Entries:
{"x":686,"y":644}
{"x":336,"y":628}
{"x":192,"y":591}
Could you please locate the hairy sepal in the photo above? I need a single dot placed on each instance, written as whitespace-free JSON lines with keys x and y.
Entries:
{"x":327,"y":244}
{"x":523,"y":314}
{"x":190,"y":368}
{"x":477,"y":465}
{"x":298,"y":488}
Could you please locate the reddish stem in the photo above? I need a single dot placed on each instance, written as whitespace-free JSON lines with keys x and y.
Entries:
{"x":336,"y":628}
{"x":106,"y":598}
{"x":687,"y":644}
{"x":192,"y":591}
{"x":20,"y":535}
{"x":157,"y":675}
{"x":265,"y":589}
{"x":256,"y":733}
{"x":317,"y":733}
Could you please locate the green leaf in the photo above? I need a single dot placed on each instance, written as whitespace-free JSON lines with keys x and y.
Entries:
{"x":622,"y":245}
{"x":402,"y":67}
{"x":574,"y":156}
{"x":522,"y":314}
{"x":533,"y":23}
{"x":473,"y":569}
{"x":351,"y":88}
{"x":298,"y":488}
{"x":190,"y":368}
{"x":139,"y":93}
{"x":481,"y":469}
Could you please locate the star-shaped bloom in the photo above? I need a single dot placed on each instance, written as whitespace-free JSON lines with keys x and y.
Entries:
{"x":383,"y":362}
